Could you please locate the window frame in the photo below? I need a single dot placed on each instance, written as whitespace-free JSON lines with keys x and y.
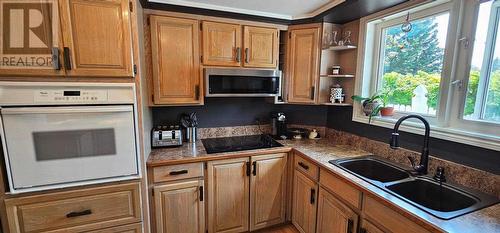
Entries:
{"x":378,"y":59}
{"x":448,"y":122}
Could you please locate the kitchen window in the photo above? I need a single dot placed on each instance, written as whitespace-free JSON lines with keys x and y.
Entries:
{"x":438,"y":59}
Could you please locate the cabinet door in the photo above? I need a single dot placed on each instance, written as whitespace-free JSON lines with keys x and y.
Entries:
{"x":333,"y":216}
{"x":267,"y":190}
{"x":176,"y":62}
{"x":303,"y":64}
{"x":31,"y":38}
{"x":260,"y":47}
{"x":228,"y":189}
{"x":304,"y":203}
{"x":221,"y":44}
{"x":368,"y":227}
{"x":179,"y":207}
{"x":97,"y":37}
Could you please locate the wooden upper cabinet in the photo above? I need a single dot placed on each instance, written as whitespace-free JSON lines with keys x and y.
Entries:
{"x":221,"y":44}
{"x":304,"y":203}
{"x":334,"y":216}
{"x":260,"y":47}
{"x":179,"y":207}
{"x":228,"y":199}
{"x":176,"y":60}
{"x":303,"y":63}
{"x":31,"y":49}
{"x":97,"y":38}
{"x":267,"y":190}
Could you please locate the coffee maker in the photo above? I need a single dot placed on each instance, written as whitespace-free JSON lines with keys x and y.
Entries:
{"x":279,"y":130}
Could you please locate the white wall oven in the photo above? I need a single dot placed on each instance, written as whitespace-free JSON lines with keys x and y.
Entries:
{"x":57,"y":135}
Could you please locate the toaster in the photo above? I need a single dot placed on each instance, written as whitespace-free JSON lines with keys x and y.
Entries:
{"x":166,"y":136}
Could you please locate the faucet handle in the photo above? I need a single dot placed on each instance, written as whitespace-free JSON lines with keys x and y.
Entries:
{"x":439,"y":176}
{"x":412,"y":161}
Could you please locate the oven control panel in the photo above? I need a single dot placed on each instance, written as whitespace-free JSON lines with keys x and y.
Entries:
{"x":70,"y":96}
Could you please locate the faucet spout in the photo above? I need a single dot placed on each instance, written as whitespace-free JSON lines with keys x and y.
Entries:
{"x":422,"y":167}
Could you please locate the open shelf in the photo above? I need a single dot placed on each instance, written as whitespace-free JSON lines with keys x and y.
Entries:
{"x":337,"y":104}
{"x":340,"y":48}
{"x":337,"y":75}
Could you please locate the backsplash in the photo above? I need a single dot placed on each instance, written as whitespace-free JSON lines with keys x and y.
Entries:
{"x":225,"y":112}
{"x":217,"y":132}
{"x":455,"y":173}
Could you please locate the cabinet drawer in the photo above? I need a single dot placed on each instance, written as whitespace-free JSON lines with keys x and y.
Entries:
{"x":75,"y":211}
{"x":342,"y":189}
{"x":389,"y":218}
{"x":309,"y":168}
{"x":133,"y":228}
{"x":177,"y":172}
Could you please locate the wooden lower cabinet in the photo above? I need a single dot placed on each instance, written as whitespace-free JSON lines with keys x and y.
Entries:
{"x":83,"y":210}
{"x":179,"y":207}
{"x":334,"y":216}
{"x":267,"y":190}
{"x":388,"y":218}
{"x":228,"y":195}
{"x":368,"y":227}
{"x":304,"y":203}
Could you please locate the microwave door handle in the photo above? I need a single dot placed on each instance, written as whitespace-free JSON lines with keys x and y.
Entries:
{"x":72,"y":109}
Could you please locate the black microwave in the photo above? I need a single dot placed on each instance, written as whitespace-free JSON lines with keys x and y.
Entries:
{"x":242,"y":82}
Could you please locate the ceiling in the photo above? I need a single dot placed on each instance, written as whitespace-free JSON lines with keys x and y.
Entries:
{"x":280,"y":9}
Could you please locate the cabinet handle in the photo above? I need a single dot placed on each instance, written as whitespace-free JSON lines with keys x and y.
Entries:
{"x":67,"y":58}
{"x":248,"y":168}
{"x":78,"y":214}
{"x":197,"y":92}
{"x":254,"y":164}
{"x":312,"y":92}
{"x":201,"y":193}
{"x":313,"y":196}
{"x":246,"y":55}
{"x":350,"y":226}
{"x":175,"y":173}
{"x":55,"y":59}
{"x":303,"y":165}
{"x":238,"y":54}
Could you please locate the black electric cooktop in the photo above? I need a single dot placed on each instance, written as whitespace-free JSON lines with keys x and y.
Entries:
{"x":228,"y":144}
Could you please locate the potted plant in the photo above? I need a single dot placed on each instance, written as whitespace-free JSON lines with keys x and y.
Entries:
{"x":384,"y":109}
{"x":370,"y":104}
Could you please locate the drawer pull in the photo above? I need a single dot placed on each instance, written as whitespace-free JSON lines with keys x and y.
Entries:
{"x":350,"y":226}
{"x":67,"y":58}
{"x":175,"y":173}
{"x":201,"y":193}
{"x":254,"y":164}
{"x":313,"y":196}
{"x":79,"y":213}
{"x":303,"y":165}
{"x":248,"y":168}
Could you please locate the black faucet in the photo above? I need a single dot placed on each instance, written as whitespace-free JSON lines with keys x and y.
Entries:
{"x":420,"y":169}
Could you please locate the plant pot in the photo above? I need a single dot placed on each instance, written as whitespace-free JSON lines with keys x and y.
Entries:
{"x":368,"y":107}
{"x":387,"y":111}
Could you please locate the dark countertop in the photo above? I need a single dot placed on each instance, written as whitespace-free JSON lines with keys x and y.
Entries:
{"x":321,"y":151}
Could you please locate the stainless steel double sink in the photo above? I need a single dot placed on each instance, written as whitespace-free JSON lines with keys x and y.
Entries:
{"x":442,"y":200}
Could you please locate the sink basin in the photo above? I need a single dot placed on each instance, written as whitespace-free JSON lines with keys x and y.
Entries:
{"x":432,"y":195}
{"x":444,"y":201}
{"x":373,"y":169}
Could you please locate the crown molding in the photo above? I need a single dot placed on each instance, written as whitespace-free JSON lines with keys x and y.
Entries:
{"x":249,"y":12}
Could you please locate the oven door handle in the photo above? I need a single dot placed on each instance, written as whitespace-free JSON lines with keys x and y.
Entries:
{"x":72,"y":109}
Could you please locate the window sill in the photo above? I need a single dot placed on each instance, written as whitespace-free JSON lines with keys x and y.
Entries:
{"x":445,"y":133}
